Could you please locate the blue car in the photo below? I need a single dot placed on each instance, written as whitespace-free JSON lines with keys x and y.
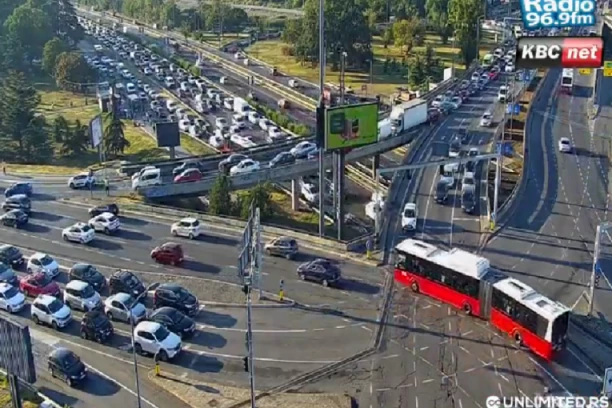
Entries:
{"x":19,"y":188}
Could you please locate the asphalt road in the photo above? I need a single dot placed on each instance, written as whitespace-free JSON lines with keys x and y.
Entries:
{"x":547,"y":242}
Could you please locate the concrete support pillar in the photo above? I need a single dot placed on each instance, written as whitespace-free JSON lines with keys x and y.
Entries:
{"x":295,"y":195}
{"x":375,"y":165}
{"x":340,"y":208}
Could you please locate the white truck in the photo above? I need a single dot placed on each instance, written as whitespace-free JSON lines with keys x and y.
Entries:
{"x":241,"y":106}
{"x":408,"y":115}
{"x":384,"y":129}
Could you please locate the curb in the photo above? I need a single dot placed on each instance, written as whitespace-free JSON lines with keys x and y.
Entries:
{"x":236,"y":229}
{"x":287,"y":304}
{"x":151,"y":376}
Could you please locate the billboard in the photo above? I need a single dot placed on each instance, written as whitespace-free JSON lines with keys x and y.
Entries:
{"x":16,"y":356}
{"x":351,"y":126}
{"x":95,"y":131}
{"x":167,"y":134}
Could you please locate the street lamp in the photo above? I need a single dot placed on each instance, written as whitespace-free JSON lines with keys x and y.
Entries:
{"x":136,"y":300}
{"x":478,"y":23}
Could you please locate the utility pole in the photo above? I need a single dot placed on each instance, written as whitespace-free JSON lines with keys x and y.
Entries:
{"x":321,"y":118}
{"x":341,"y":155}
{"x":601,"y":229}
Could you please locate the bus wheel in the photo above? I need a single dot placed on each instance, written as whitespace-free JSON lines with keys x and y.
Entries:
{"x":415,"y":287}
{"x":467,"y":309}
{"x":518,"y":339}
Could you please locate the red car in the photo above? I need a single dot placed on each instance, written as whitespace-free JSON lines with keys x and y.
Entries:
{"x":188,"y":175}
{"x":39,"y":284}
{"x":168,"y":253}
{"x":493,"y":74}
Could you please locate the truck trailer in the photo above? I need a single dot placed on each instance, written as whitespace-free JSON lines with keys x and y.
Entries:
{"x":407,"y":115}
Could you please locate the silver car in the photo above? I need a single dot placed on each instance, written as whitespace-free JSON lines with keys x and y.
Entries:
{"x":122,"y":306}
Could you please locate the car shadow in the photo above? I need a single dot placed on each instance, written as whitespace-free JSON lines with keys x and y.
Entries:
{"x":58,"y":397}
{"x":211,"y":318}
{"x":132,"y":221}
{"x":133,"y":235}
{"x":35,"y":228}
{"x":207,"y":339}
{"x":42,"y":197}
{"x":105,"y":245}
{"x":197,"y":362}
{"x":198,"y":266}
{"x":45,"y":216}
{"x":217,"y":240}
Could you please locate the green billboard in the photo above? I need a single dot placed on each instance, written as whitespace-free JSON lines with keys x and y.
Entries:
{"x":351,"y":126}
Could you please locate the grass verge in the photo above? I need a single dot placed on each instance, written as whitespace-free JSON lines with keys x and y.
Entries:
{"x":270,"y":52}
{"x":28,"y":398}
{"x":194,"y":147}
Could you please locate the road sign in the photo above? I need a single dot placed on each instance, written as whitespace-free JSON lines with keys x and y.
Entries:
{"x":585,"y":71}
{"x":607,"y":64}
{"x":607,"y":72}
{"x":513,"y":108}
{"x":607,"y":383}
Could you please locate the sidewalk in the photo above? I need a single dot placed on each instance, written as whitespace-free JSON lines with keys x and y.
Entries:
{"x":199,"y":394}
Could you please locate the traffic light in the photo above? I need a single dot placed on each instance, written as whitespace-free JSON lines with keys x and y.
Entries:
{"x":597,"y":276}
{"x":246,"y":289}
{"x":320,"y":125}
{"x":245,"y":362}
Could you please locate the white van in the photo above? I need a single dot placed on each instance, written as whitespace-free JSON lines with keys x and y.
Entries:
{"x":171,"y":105}
{"x":502,"y":94}
{"x":223,"y":80}
{"x":131,"y":88}
{"x":185,"y":86}
{"x":293,"y":83}
{"x":148,"y":178}
{"x":169,"y":81}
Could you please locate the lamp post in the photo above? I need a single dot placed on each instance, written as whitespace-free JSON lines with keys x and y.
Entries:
{"x":136,"y":300}
{"x":478,"y":23}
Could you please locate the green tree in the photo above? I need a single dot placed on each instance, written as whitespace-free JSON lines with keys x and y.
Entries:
{"x":37,"y":147}
{"x":60,"y":129}
{"x":408,"y":34}
{"x":417,"y":72}
{"x":76,"y":140}
{"x":71,"y":68}
{"x":52,"y":49}
{"x":18,"y":102}
{"x":260,"y":197}
{"x":220,"y":200}
{"x":113,"y":136}
{"x":437,"y":17}
{"x":463,"y":16}
{"x":31,"y":26}
{"x":170,"y":15}
{"x":11,"y":53}
{"x":235,"y":20}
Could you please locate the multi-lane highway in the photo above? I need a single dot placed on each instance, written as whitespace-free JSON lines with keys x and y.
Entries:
{"x":327,"y":325}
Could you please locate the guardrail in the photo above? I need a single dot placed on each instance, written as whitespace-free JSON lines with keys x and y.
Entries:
{"x":280,"y":173}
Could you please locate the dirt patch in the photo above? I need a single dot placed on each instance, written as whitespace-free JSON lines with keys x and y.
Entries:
{"x":210,"y":395}
{"x":512,"y":165}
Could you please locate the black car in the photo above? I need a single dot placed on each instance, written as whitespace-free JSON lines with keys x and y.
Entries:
{"x":7,"y":275}
{"x":185,"y":166}
{"x":286,"y":247}
{"x":18,"y":202}
{"x":99,"y":209}
{"x":19,"y":188}
{"x":174,"y":320}
{"x":126,"y":282}
{"x":14,"y":218}
{"x":170,"y":294}
{"x":320,"y":270}
{"x":88,"y":273}
{"x":441,"y":192}
{"x":95,"y":325}
{"x":463,"y":136}
{"x":468,"y":201}
{"x":11,"y":255}
{"x":282,"y":159}
{"x":226,"y":164}
{"x":67,"y":366}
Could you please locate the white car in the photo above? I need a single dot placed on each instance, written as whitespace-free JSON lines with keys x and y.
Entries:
{"x":448,"y":175}
{"x":438,"y":101}
{"x":81,"y":180}
{"x":565,"y":146}
{"x":221,"y":123}
{"x":468,"y":180}
{"x":216,"y":141}
{"x":486,"y":120}
{"x":303,"y":149}
{"x":228,"y":103}
{"x":44,"y":263}
{"x":122,"y":307}
{"x":81,"y":295}
{"x":264,"y":124}
{"x":50,"y":310}
{"x":245,"y":166}
{"x":509,"y":67}
{"x":310,"y":192}
{"x":11,"y":299}
{"x":254,"y":117}
{"x":409,"y":217}
{"x":475,"y":77}
{"x":79,"y":232}
{"x":456,"y":102}
{"x":275,"y":133}
{"x":184,"y":125}
{"x":105,"y":222}
{"x":187,"y":227}
{"x":153,"y":338}
{"x":502,"y":94}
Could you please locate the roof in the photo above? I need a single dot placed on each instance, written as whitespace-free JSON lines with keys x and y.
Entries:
{"x":568,"y":72}
{"x":38,"y":255}
{"x":4,"y":287}
{"x":148,"y":326}
{"x":76,"y":285}
{"x":60,"y":353}
{"x":456,"y":259}
{"x":79,"y":266}
{"x":120,"y":297}
{"x":410,"y":206}
{"x":45,"y":299}
{"x":169,"y":286}
{"x":526,"y":295}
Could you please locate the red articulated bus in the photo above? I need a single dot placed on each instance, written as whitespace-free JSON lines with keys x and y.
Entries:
{"x":467,"y":282}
